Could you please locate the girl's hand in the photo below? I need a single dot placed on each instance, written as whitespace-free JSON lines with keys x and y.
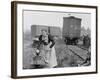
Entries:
{"x":37,"y":51}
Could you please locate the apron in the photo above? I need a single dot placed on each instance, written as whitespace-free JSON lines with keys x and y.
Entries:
{"x":53,"y":58}
{"x":49,"y":57}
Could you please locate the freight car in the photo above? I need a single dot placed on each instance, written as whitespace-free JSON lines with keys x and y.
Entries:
{"x":53,"y":30}
{"x":71,"y":29}
{"x":36,"y":30}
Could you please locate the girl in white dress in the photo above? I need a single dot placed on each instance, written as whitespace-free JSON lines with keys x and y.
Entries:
{"x":48,"y":50}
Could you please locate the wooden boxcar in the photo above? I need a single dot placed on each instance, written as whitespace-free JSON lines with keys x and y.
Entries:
{"x":36,"y":30}
{"x":71,"y":29}
{"x":54,"y":31}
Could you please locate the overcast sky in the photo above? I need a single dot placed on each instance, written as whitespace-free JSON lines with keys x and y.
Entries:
{"x":52,"y":19}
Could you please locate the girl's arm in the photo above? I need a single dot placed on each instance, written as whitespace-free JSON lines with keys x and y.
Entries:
{"x":52,"y":43}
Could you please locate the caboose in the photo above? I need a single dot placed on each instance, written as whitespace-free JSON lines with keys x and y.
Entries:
{"x":71,"y":29}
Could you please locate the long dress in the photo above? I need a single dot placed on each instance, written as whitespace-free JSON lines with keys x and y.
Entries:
{"x":53,"y":59}
{"x":49,"y":54}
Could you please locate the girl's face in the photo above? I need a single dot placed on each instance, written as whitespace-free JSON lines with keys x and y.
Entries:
{"x":44,"y":33}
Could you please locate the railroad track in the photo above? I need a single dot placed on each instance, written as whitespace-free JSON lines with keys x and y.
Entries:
{"x":82,"y":47}
{"x":81,"y":53}
{"x":76,"y":54}
{"x":71,"y":53}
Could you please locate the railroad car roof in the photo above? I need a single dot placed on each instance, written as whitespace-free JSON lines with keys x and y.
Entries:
{"x":73,"y":17}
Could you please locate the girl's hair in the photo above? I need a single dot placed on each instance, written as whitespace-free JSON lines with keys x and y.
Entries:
{"x":44,"y":30}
